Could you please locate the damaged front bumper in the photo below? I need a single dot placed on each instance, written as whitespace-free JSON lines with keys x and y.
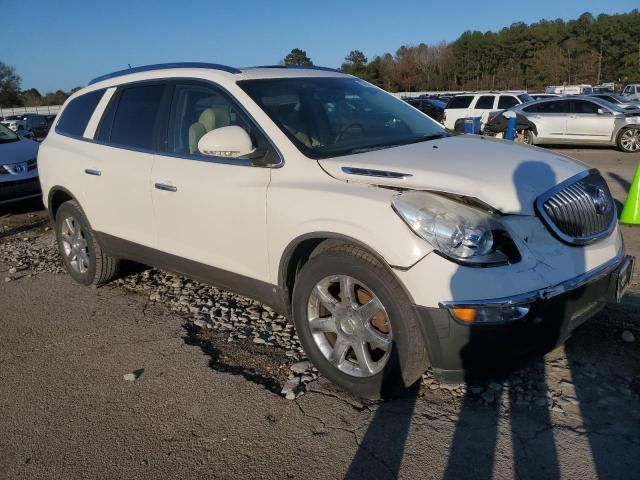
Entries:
{"x":466,"y":339}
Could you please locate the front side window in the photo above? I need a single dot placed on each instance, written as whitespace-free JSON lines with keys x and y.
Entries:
{"x":130,"y":119}
{"x":584,"y":107}
{"x":333,"y":116}
{"x":76,"y":115}
{"x":485,"y":102}
{"x":507,"y":101}
{"x":199,"y":109}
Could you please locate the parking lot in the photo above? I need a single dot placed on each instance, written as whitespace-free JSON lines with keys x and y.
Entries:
{"x":154,"y":375}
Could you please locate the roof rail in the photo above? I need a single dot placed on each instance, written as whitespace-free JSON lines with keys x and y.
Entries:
{"x":304,"y":67}
{"x":165,"y":66}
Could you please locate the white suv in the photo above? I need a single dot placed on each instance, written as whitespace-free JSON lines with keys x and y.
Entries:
{"x":390,"y":243}
{"x":481,"y":104}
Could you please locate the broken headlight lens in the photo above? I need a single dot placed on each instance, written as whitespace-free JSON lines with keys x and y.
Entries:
{"x":457,"y":231}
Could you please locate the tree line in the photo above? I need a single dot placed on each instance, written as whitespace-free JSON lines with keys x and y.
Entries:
{"x":11,"y":94}
{"x":549,"y":52}
{"x":588,"y":49}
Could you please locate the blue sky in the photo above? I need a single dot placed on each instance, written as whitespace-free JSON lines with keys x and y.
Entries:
{"x":56,"y":44}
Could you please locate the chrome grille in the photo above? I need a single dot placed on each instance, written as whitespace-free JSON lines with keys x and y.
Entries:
{"x":579,"y":210}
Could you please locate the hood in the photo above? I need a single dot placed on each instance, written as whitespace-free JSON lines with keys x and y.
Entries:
{"x":505,"y":175}
{"x":15,"y":152}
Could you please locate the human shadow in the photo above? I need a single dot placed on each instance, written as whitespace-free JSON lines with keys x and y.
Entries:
{"x":381,"y":450}
{"x":494,"y":350}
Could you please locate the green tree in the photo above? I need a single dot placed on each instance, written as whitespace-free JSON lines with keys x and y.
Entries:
{"x":31,"y":98}
{"x":355,"y":63}
{"x":9,"y":87}
{"x":297,"y":57}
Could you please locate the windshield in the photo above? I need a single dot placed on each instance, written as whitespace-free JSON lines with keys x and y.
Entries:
{"x":612,"y":106}
{"x":525,"y":98}
{"x":333,"y":116}
{"x":7,"y":135}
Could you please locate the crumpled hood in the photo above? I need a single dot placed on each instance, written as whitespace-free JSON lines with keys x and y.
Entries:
{"x":16,"y":152}
{"x":505,"y":175}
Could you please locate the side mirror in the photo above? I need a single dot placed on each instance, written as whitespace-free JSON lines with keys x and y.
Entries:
{"x":603,"y":111}
{"x":229,"y":142}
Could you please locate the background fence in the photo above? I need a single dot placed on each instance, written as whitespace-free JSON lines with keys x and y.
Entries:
{"x":48,"y":110}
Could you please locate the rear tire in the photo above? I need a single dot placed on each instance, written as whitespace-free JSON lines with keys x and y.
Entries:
{"x":527,"y":137}
{"x":628,"y":140}
{"x":389,"y":338}
{"x":83,"y":257}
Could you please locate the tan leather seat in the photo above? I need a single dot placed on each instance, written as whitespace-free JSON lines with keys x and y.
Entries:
{"x":210,"y":119}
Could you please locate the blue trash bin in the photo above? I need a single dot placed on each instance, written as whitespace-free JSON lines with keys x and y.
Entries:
{"x":471,"y":125}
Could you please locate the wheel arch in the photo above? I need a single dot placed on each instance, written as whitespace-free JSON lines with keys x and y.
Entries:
{"x":57,"y":196}
{"x":304,"y":247}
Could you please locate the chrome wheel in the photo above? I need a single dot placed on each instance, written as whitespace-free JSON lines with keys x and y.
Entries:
{"x":350,"y":325}
{"x":630,"y":140}
{"x":74,"y":245}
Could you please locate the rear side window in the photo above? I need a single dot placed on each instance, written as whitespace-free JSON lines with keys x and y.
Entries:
{"x":507,"y":101}
{"x":461,"y":101}
{"x":485,"y":102}
{"x":556,"y":106}
{"x":131,"y":118}
{"x":76,"y":115}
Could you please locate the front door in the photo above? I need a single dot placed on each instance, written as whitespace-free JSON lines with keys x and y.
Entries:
{"x":586,"y":124}
{"x":210,"y":210}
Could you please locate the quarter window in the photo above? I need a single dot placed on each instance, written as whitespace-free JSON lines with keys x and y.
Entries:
{"x":461,"y":101}
{"x":485,"y":102}
{"x":76,"y":115}
{"x":134,"y":112}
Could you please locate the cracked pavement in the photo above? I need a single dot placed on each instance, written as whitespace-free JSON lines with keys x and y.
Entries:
{"x":68,"y":412}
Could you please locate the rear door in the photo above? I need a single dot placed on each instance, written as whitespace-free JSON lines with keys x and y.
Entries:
{"x":550,"y":118}
{"x":585,"y":124}
{"x":482,"y":106}
{"x":457,"y":108}
{"x":119,"y":163}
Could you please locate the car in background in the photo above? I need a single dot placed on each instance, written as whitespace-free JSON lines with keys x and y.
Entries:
{"x":15,"y":123}
{"x":431,"y":106}
{"x":582,"y":120}
{"x":619,"y":100}
{"x":31,"y":122}
{"x":540,"y":96}
{"x":18,"y":167}
{"x":582,"y":89}
{"x":481,"y":104}
{"x":631,"y":92}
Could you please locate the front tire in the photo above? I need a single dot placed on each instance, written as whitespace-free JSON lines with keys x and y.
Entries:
{"x":83,"y":257}
{"x":629,"y":140}
{"x":356,"y":323}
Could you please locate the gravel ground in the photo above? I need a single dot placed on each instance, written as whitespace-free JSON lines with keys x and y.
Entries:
{"x":589,"y":388}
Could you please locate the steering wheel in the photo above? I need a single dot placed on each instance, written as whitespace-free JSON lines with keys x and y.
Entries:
{"x":346,"y":129}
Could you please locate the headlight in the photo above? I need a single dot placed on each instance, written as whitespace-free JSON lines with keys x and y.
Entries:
{"x":460,"y":232}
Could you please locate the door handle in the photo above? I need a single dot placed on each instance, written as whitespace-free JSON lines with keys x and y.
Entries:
{"x":167,"y":187}
{"x":92,"y":171}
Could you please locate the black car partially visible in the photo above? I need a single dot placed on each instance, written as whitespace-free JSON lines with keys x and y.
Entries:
{"x":432,"y":107}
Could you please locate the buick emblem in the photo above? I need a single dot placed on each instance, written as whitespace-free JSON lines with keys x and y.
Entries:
{"x":600,"y":199}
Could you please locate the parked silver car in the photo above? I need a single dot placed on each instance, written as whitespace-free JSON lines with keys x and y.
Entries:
{"x":18,"y":167}
{"x":582,"y":120}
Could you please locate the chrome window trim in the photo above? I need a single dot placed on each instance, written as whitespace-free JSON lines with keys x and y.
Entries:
{"x":550,"y":224}
{"x":201,"y":158}
{"x":547,"y":292}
